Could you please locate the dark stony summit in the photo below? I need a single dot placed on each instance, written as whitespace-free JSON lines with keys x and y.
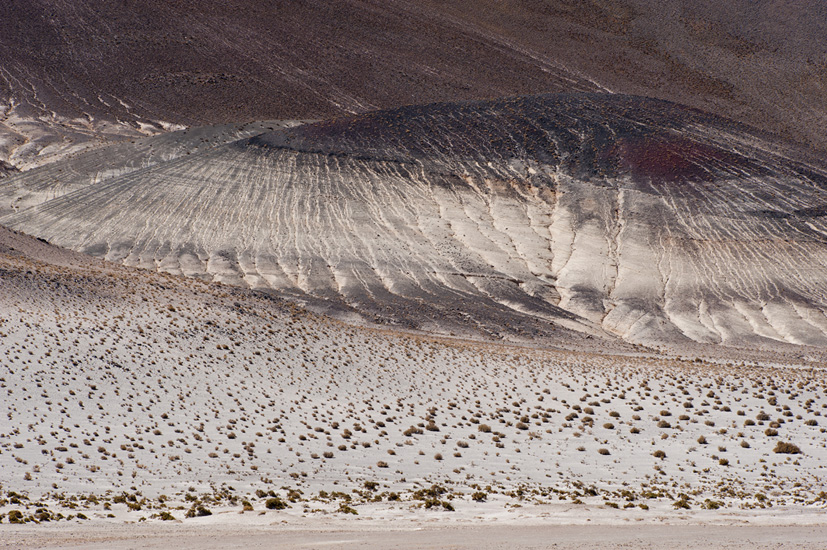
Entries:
{"x":587,"y":135}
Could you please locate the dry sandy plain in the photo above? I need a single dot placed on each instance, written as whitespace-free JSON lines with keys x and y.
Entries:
{"x":147,"y":410}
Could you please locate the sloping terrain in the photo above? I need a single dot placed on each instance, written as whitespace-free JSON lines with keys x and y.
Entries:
{"x":73,"y":71}
{"x":129,"y":394}
{"x":552,"y":218}
{"x":81,"y":169}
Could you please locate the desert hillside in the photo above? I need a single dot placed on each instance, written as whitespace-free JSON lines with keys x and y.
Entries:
{"x":432,"y":274}
{"x":75,"y":72}
{"x":583,"y":221}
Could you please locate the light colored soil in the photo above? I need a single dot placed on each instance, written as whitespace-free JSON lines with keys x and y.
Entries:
{"x":693,"y":537}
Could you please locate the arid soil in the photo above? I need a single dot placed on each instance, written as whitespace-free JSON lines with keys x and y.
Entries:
{"x":134,"y":397}
{"x":425,"y":535}
{"x":434,"y":274}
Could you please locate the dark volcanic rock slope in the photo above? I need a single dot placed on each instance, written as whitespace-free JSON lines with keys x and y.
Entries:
{"x":590,"y":215}
{"x":74,"y":71}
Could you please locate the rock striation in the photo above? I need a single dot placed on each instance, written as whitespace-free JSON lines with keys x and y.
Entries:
{"x":548,"y":218}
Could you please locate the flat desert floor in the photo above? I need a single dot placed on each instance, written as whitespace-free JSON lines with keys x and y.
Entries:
{"x":424,"y":536}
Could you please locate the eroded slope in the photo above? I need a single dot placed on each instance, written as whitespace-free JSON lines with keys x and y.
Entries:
{"x":540,"y":218}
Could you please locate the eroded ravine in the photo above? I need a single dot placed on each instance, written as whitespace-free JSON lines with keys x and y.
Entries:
{"x":544,"y":218}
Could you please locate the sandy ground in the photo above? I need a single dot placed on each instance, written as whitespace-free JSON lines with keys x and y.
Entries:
{"x":134,"y":401}
{"x":422,"y":536}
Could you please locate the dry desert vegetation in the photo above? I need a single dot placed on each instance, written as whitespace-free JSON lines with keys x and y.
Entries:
{"x":131,"y":396}
{"x":392,"y":274}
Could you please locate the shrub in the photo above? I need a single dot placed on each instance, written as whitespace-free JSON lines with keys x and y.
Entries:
{"x":770,"y":432}
{"x":702,"y":440}
{"x":609,"y":426}
{"x":275,"y":503}
{"x":603,"y":451}
{"x":484,"y":428}
{"x":683,"y":503}
{"x":479,"y":496}
{"x":345,"y":509}
{"x":664,"y":424}
{"x":438,"y":456}
{"x":381,"y":464}
{"x":723,"y":462}
{"x":659,"y":454}
{"x":198,"y":511}
{"x":15,"y":516}
{"x":433,"y":503}
{"x":783,"y":447}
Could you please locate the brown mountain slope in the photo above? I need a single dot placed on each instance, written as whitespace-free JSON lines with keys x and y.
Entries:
{"x":75,"y":63}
